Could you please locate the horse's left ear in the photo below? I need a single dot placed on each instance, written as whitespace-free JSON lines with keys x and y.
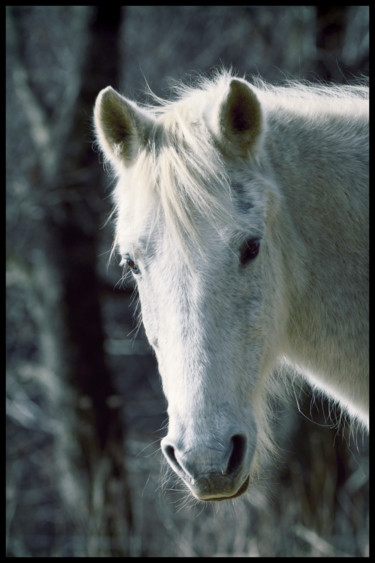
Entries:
{"x":240,"y":118}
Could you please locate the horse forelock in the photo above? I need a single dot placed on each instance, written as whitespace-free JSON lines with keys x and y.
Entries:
{"x":180,"y":173}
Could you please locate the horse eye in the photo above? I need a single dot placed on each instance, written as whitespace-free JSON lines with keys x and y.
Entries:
{"x":248,"y":251}
{"x":132,"y":265}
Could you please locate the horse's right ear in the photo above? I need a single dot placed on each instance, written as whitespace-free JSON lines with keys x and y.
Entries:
{"x":122,"y":128}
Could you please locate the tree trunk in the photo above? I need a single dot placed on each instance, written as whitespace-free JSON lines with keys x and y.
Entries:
{"x":331,"y":22}
{"x":90,"y":445}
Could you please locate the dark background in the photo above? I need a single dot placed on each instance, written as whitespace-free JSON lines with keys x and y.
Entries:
{"x":85,"y":412}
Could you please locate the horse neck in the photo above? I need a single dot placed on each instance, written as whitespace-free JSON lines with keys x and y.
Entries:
{"x":320,"y":167}
{"x":320,"y":170}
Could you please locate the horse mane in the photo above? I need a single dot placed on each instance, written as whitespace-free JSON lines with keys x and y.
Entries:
{"x":181,"y":174}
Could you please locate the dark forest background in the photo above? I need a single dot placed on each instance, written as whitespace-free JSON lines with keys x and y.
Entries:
{"x":85,"y":412}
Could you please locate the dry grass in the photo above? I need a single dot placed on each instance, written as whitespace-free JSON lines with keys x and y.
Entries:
{"x":299,"y":510}
{"x":277,"y":518}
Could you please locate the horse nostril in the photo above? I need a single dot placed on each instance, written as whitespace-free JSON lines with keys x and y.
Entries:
{"x":238,"y":453}
{"x":168,"y":452}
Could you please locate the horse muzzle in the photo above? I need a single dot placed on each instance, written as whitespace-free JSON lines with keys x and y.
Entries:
{"x":212,"y":473}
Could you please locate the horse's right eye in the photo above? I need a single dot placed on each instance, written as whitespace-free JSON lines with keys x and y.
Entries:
{"x":132,"y":265}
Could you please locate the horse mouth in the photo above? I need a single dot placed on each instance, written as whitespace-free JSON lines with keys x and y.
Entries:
{"x":240,"y":492}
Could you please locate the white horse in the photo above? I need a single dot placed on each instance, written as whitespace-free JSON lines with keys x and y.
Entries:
{"x":242,"y":211}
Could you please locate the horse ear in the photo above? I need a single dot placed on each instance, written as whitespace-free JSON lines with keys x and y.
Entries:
{"x":122,"y":128}
{"x":240,"y":118}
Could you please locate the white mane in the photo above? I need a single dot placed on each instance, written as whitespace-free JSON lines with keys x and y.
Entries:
{"x":180,"y":171}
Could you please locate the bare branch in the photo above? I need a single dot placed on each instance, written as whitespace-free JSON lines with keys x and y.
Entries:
{"x":39,"y":129}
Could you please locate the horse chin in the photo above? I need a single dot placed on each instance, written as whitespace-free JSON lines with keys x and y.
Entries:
{"x":224,"y":496}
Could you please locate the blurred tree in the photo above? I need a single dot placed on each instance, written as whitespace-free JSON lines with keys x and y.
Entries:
{"x":331,"y":37}
{"x":64,"y":285}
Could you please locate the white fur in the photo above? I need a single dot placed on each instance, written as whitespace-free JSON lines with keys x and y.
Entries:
{"x":226,"y":162}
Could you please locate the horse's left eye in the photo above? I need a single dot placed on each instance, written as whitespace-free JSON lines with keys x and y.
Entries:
{"x":249,"y":250}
